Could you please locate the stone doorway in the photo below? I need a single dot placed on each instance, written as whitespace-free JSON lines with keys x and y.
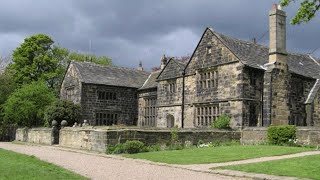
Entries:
{"x":170,"y":121}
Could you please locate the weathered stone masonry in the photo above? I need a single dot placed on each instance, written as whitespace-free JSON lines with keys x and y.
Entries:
{"x":107,"y":94}
{"x":253,"y":84}
{"x":124,"y":106}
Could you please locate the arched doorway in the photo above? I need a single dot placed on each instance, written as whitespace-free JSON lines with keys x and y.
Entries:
{"x":170,"y":121}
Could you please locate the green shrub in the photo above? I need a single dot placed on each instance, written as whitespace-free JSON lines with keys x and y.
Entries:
{"x":117,"y":149}
{"x":223,"y":122}
{"x":132,"y":147}
{"x":281,"y":135}
{"x":175,"y":147}
{"x":153,"y":148}
{"x":174,"y":135}
{"x":62,"y":110}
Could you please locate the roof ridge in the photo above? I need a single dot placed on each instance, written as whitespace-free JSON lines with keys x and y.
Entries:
{"x":109,"y":66}
{"x":255,"y":44}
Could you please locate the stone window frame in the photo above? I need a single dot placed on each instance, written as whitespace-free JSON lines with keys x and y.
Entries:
{"x":172,"y":87}
{"x":106,"y":118}
{"x":106,"y":95}
{"x":70,"y":92}
{"x":209,"y":49}
{"x":206,"y":114}
{"x":208,"y":79}
{"x":150,"y":111}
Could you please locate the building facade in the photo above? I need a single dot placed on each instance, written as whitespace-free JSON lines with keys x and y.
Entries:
{"x":253,"y":84}
{"x":107,"y":94}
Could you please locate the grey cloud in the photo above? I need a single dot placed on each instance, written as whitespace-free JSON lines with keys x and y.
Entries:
{"x":129,"y":31}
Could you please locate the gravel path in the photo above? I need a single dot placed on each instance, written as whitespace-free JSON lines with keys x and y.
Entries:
{"x":97,"y":166}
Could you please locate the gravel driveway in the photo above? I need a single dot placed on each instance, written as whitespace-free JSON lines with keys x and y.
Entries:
{"x":97,"y":166}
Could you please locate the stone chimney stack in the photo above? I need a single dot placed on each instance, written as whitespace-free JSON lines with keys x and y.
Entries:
{"x":164,"y":61}
{"x":277,"y":30}
{"x":276,"y":83}
{"x":140,"y":68}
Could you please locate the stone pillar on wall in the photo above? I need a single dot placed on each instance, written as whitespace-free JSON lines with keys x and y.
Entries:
{"x":277,"y":77}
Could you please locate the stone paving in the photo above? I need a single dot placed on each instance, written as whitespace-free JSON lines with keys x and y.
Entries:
{"x":102,"y":166}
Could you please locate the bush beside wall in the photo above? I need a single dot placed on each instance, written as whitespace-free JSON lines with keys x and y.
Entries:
{"x":281,"y":135}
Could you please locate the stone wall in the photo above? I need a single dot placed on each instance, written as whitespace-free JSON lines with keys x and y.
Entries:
{"x":125,"y":105}
{"x":99,"y":139}
{"x":254,"y":135}
{"x":305,"y":135}
{"x":71,"y":86}
{"x":300,"y":87}
{"x":35,"y":135}
{"x":315,"y":111}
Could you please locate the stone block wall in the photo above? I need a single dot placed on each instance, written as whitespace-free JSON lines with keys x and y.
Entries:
{"x":71,"y":86}
{"x":315,"y":111}
{"x":165,"y":112}
{"x":256,"y":135}
{"x":125,"y":105}
{"x":35,"y":135}
{"x":99,"y":139}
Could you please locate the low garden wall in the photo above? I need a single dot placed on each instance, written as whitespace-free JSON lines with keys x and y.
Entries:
{"x":35,"y":135}
{"x":99,"y":139}
{"x":258,"y":135}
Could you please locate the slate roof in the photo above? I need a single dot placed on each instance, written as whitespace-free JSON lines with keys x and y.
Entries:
{"x":110,"y":75}
{"x":151,"y":81}
{"x":255,"y":55}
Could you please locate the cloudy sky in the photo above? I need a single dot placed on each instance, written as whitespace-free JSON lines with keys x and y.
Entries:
{"x":133,"y":30}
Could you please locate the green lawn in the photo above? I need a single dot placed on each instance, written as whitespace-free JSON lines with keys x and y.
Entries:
{"x":303,"y":167}
{"x":216,"y":154}
{"x":19,"y":166}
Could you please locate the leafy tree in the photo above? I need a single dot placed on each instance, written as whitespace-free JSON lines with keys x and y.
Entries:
{"x":33,"y":60}
{"x":306,"y":11}
{"x":62,"y":110}
{"x":26,"y":105}
{"x":38,"y":59}
{"x":7,"y":85}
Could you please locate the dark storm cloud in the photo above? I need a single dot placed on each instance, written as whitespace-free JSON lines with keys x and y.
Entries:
{"x":130,"y":31}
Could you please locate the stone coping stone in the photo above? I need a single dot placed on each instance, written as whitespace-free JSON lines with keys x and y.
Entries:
{"x":36,"y":129}
{"x":146,"y":130}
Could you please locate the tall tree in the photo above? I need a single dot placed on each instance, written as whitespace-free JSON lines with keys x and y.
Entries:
{"x":7,"y":85}
{"x":33,"y":60}
{"x":306,"y":11}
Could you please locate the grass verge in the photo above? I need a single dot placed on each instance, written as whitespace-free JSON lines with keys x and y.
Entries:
{"x":216,"y":154}
{"x":19,"y":166}
{"x":302,"y":167}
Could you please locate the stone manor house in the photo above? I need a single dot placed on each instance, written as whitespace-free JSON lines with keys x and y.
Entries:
{"x":253,"y":84}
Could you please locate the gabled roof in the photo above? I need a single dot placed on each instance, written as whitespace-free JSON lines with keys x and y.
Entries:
{"x":110,"y":75}
{"x":255,"y":55}
{"x":176,"y":72}
{"x":151,"y":81}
